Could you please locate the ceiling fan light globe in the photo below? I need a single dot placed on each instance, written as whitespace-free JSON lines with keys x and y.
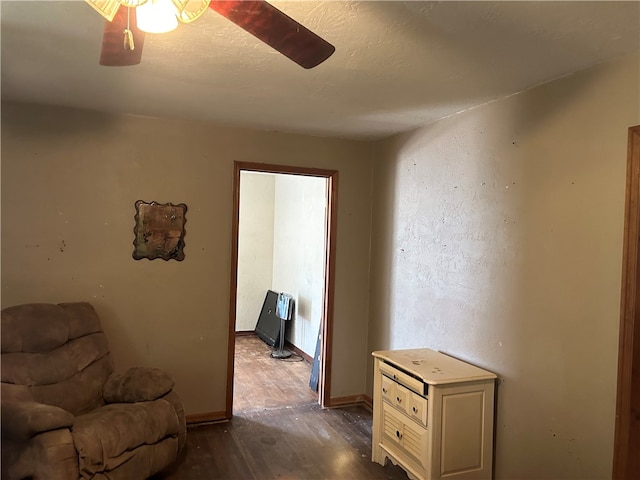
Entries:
{"x":106,"y":8}
{"x":157,"y":16}
{"x":190,"y":10}
{"x":133,"y":3}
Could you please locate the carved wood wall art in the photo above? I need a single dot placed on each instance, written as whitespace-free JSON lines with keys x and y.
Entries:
{"x":159,"y":231}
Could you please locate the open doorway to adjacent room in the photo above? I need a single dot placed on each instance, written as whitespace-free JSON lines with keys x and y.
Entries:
{"x":626,"y":462}
{"x":283,"y":249}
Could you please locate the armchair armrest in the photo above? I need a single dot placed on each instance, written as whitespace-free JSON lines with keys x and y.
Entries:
{"x":138,"y":384}
{"x":22,"y":420}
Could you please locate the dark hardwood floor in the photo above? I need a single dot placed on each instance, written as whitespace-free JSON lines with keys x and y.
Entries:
{"x":279,"y":431}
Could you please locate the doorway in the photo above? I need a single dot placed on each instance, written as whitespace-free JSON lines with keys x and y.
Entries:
{"x":252,"y":173}
{"x":626,"y":462}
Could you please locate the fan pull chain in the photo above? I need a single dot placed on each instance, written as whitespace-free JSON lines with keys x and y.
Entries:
{"x":128,"y":34}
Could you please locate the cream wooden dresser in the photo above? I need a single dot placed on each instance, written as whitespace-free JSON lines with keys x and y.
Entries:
{"x":432,"y":415}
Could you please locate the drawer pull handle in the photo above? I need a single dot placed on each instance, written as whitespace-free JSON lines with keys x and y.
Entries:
{"x":395,"y":377}
{"x":415,"y":410}
{"x":398,"y":434}
{"x":384,"y":390}
{"x":398,"y":399}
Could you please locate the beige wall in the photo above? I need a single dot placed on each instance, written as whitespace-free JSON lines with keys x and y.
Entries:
{"x":255,"y":246}
{"x":281,"y":246}
{"x":497,"y":238}
{"x":298,"y":253}
{"x":69,"y":182}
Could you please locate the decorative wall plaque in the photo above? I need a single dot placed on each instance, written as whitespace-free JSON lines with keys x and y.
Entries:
{"x":159,"y":230}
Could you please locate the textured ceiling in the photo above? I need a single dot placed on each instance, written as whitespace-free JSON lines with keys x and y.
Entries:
{"x":398,"y":65}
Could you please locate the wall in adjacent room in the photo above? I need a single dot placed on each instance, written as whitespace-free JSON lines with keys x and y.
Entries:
{"x":69,"y":182}
{"x":298,"y":253}
{"x":281,"y":246}
{"x":497,"y":238}
{"x":255,"y":246}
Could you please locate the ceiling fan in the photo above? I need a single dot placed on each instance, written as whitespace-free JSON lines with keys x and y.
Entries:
{"x":123,"y":37}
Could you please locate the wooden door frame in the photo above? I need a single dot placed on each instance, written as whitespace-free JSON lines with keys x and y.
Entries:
{"x":629,"y":311}
{"x":326,"y":347}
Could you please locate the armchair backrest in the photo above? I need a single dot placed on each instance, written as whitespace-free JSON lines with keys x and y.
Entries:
{"x":58,"y":353}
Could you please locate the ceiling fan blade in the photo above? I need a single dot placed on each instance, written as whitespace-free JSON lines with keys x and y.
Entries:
{"x":277,"y":30}
{"x":114,"y":53}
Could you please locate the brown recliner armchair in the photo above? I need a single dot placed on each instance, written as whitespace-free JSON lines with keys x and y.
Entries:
{"x":66,"y":415}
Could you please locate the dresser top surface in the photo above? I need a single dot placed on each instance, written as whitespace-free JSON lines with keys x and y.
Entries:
{"x":433,"y":367}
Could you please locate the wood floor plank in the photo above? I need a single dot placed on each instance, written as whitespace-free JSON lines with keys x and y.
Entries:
{"x":262,"y":382}
{"x":279,"y":432}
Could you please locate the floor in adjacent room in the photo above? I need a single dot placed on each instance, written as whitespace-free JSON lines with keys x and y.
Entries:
{"x":279,"y":431}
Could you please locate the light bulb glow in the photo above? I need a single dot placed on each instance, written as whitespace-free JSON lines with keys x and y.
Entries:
{"x":157,"y":16}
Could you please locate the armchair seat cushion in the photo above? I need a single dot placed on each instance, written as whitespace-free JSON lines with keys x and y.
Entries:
{"x":105,"y":437}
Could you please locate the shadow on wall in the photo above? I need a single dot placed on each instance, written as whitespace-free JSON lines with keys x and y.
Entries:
{"x":482,"y":53}
{"x":303,"y":306}
{"x":497,"y":239}
{"x":20,"y":121}
{"x":447,"y":200}
{"x":114,"y":329}
{"x":382,"y":245}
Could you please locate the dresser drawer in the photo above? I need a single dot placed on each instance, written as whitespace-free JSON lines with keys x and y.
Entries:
{"x":388,"y":388}
{"x":407,"y":380}
{"x":417,"y":408}
{"x":401,"y":398}
{"x":391,"y":426}
{"x":404,"y":439}
{"x":408,"y":402}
